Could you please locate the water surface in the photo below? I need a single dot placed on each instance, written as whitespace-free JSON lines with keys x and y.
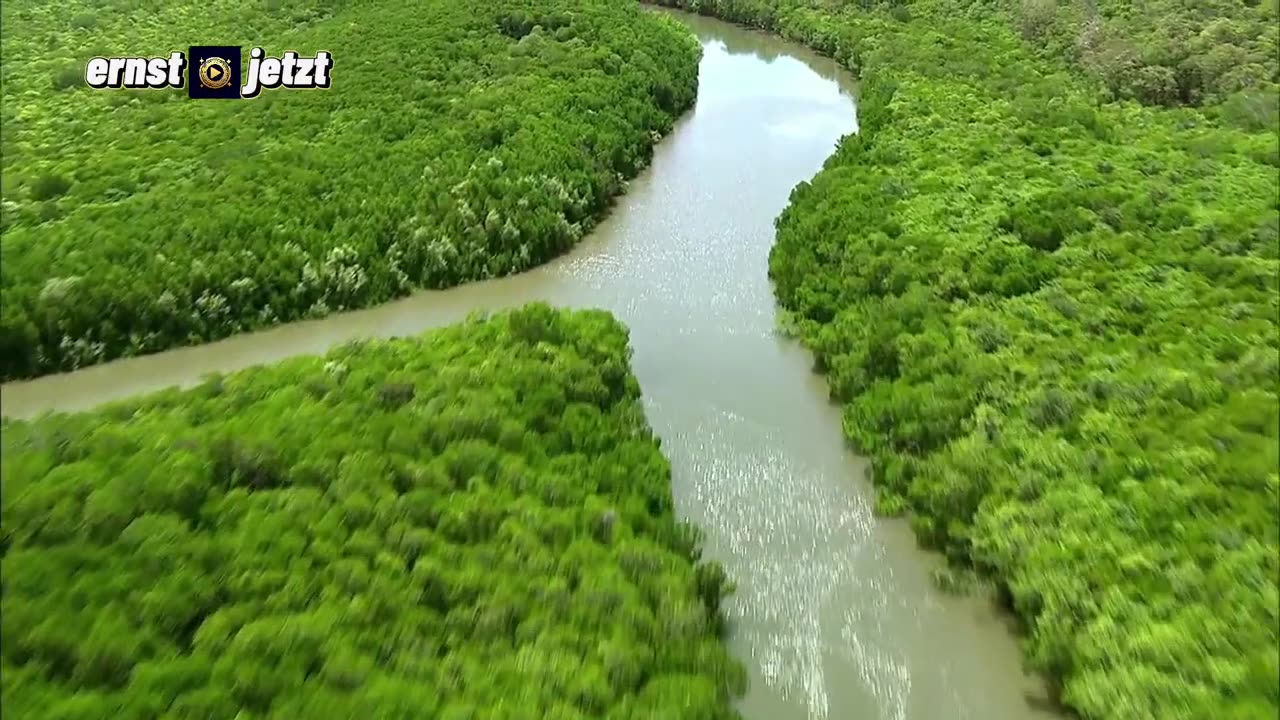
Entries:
{"x":835,"y":616}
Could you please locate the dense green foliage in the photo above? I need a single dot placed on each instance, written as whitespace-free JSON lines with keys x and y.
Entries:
{"x":458,"y":141}
{"x":1165,"y":52}
{"x":475,"y":523}
{"x":1052,"y":321}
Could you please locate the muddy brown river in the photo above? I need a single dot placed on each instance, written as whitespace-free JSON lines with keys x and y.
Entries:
{"x":835,"y":615}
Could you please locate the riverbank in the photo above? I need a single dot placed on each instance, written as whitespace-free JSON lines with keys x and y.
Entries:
{"x":1051,"y":321}
{"x":453,"y":146}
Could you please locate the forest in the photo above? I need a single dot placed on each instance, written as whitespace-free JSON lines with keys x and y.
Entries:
{"x":1044,"y":289}
{"x":1043,"y":282}
{"x":477,"y":522}
{"x":459,"y":143}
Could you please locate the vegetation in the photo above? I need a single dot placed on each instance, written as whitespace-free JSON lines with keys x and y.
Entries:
{"x":1052,"y":320}
{"x":1165,"y":53}
{"x":475,"y":523}
{"x":457,"y":142}
{"x":1043,"y":281}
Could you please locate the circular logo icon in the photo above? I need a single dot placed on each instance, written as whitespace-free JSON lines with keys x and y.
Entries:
{"x":215,"y":73}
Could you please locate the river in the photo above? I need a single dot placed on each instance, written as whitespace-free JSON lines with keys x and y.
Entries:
{"x":835,"y":615}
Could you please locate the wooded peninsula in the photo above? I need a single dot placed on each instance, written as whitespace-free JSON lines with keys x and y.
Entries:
{"x":460,"y":145}
{"x":474,"y":523}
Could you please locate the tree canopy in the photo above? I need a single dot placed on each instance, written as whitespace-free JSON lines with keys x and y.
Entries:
{"x":474,"y":523}
{"x":457,"y":142}
{"x":1051,"y":316}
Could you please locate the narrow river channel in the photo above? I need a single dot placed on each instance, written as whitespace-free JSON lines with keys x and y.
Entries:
{"x":835,"y":616}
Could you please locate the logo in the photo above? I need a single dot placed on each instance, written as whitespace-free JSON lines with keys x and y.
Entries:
{"x":215,"y":72}
{"x":135,"y":72}
{"x":291,"y":71}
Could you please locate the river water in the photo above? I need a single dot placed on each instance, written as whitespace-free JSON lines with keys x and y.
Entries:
{"x":835,"y":615}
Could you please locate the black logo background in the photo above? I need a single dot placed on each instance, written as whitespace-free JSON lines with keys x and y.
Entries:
{"x":200,"y":53}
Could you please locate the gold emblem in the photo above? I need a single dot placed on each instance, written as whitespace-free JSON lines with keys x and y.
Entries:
{"x":215,"y":73}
